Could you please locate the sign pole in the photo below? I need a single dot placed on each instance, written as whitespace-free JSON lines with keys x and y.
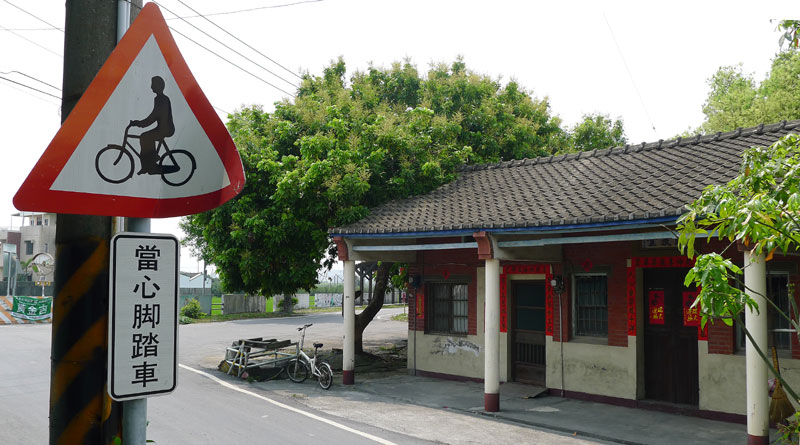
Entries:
{"x":134,"y":412}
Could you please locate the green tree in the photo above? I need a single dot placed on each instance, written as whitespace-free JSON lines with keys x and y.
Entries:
{"x":735,"y":99}
{"x":596,"y":131}
{"x":789,"y":33}
{"x":760,"y":208}
{"x":347,"y":144}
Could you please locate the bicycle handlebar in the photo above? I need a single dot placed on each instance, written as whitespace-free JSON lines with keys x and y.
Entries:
{"x":306,"y":326}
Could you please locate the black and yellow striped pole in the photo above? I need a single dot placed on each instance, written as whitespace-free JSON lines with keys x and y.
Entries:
{"x":81,"y":412}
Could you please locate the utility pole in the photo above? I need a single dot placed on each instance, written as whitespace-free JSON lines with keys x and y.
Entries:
{"x":81,"y":410}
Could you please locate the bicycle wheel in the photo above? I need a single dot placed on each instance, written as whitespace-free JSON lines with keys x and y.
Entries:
{"x":177,"y":167}
{"x":325,"y":377}
{"x":297,"y":371}
{"x":114,"y":164}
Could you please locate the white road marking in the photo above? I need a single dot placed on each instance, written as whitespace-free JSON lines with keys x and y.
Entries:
{"x":287,"y":407}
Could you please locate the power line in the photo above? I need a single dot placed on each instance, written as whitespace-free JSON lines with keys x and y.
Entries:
{"x":32,"y":78}
{"x":29,"y":87}
{"x":641,"y":100}
{"x":245,"y":44}
{"x":36,"y":97}
{"x":221,"y":57}
{"x":237,"y":66}
{"x":248,"y":10}
{"x":31,"y":41}
{"x":226,"y":46}
{"x":34,"y":16}
{"x":32,"y":29}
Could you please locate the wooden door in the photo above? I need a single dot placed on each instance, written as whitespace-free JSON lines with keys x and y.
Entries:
{"x":670,"y":347}
{"x":527,"y":329}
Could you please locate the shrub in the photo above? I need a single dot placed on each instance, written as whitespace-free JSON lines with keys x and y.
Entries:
{"x":192,"y":309}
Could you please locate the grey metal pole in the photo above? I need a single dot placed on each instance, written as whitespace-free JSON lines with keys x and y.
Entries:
{"x":134,"y":412}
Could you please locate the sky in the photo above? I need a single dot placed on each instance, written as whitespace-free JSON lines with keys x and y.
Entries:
{"x":646,"y":63}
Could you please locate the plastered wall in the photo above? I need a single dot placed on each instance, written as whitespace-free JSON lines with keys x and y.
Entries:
{"x":456,"y":355}
{"x":722,"y":379}
{"x":593,"y":368}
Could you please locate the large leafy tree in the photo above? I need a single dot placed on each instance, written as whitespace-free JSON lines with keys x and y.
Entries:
{"x":596,"y":131}
{"x":347,"y":144}
{"x":735,"y":99}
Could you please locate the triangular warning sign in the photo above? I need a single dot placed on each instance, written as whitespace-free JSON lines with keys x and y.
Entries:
{"x":143,"y":141}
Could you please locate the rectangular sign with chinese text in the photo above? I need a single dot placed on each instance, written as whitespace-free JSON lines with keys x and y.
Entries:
{"x":656,"y":306}
{"x":143,"y":315}
{"x":691,"y":315}
{"x":32,"y":308}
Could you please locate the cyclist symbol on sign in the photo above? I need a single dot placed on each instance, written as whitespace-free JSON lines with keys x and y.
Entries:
{"x":115,"y":164}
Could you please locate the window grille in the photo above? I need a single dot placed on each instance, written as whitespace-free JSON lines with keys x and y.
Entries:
{"x":448,"y":307}
{"x":591,"y":305}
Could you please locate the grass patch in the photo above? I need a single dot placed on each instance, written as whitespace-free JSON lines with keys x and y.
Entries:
{"x":215,"y":306}
{"x":400,"y":317}
{"x":216,"y":317}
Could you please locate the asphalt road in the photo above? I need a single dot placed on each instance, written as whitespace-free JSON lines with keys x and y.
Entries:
{"x":209,"y":407}
{"x":203,"y":409}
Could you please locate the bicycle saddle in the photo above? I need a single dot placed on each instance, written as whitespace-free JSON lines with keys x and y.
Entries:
{"x":317,"y":345}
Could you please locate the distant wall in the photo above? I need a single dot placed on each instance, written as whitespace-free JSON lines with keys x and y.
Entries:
{"x":205,"y":301}
{"x":328,"y":300}
{"x":27,"y":288}
{"x":240,"y":303}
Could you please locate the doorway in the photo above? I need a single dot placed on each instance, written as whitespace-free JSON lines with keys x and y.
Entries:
{"x":670,"y":350}
{"x":527,"y":329}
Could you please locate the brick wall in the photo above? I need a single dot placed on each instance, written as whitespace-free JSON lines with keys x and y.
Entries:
{"x":449,"y":265}
{"x":604,"y":257}
{"x":721,"y":338}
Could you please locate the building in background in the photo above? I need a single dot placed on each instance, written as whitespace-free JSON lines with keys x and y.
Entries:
{"x":35,"y":234}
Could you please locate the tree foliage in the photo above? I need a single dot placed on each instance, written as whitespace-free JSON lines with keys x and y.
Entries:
{"x":735,"y":99}
{"x":789,"y":33}
{"x":760,"y":208}
{"x":347,"y":144}
{"x":596,"y":131}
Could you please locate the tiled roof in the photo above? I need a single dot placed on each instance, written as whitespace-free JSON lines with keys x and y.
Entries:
{"x":635,"y":182}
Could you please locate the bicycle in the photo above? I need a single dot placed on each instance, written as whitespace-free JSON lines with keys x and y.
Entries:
{"x":114,"y":163}
{"x":298,"y":367}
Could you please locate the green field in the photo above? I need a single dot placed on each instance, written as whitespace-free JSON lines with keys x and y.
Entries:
{"x":215,"y":304}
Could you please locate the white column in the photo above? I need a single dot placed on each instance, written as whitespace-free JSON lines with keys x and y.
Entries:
{"x":491,"y":345}
{"x":349,"y":308}
{"x":755,"y":281}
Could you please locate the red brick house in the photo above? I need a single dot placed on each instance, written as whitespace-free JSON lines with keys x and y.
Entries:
{"x":563,"y":272}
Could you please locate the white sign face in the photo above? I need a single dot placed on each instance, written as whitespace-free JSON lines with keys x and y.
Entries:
{"x":143,"y":316}
{"x":198,"y":167}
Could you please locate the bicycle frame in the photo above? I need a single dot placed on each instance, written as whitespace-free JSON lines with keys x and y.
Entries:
{"x":126,"y":145}
{"x":312,"y":361}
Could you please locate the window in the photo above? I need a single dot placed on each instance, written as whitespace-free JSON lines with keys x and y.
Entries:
{"x":448,"y":308}
{"x":590,"y":305}
{"x":778,"y":327}
{"x":39,"y":221}
{"x":46,"y":248}
{"x":46,"y":221}
{"x":28,"y":247}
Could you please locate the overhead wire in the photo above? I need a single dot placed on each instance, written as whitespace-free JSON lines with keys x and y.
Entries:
{"x":216,"y":54}
{"x":251,"y":9}
{"x":237,"y":66}
{"x":242,"y":42}
{"x":32,"y":78}
{"x":35,"y":16}
{"x":35,"y":96}
{"x":29,"y":87}
{"x":31,"y":41}
{"x":630,"y":75}
{"x":223,"y":44}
